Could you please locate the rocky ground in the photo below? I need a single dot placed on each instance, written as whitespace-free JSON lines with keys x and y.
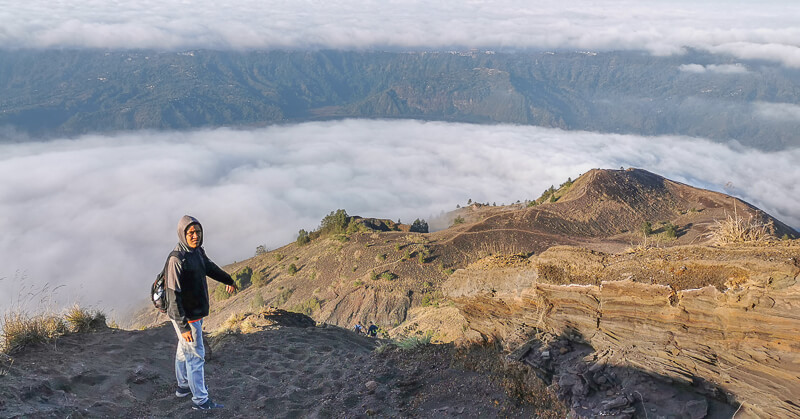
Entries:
{"x":284,"y":368}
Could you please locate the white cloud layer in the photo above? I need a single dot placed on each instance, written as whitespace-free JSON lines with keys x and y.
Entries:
{"x":99,"y":214}
{"x":778,"y":111}
{"x":767,"y":29}
{"x":714,"y":68}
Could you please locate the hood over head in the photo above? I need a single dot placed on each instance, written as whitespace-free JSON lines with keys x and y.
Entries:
{"x":183,"y":225}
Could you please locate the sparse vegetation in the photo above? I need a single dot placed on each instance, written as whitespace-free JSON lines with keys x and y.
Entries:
{"x":279,"y":257}
{"x":373,"y":276}
{"x":257,"y":302}
{"x":80,"y":320}
{"x":419,"y":226}
{"x":380,"y":257}
{"x":357,"y":283}
{"x":736,"y":229}
{"x":431,"y":299}
{"x":334,"y":223}
{"x":220,"y":293}
{"x":259,"y":279}
{"x":282,"y":297}
{"x":302,"y":238}
{"x":388,"y":276}
{"x":646,"y":228}
{"x":243,"y":277}
{"x":414,"y":341}
{"x":308,"y":307}
{"x":19,"y":329}
{"x":458,"y":220}
{"x":670,"y":230}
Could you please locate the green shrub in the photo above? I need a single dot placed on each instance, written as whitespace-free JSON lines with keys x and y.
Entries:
{"x":670,"y":230}
{"x":257,"y":302}
{"x":388,"y":276}
{"x":334,"y":223}
{"x":279,"y":257}
{"x":419,"y":226}
{"x":646,"y":228}
{"x":308,"y":307}
{"x":381,"y":257}
{"x":449,"y":271}
{"x":259,"y":279}
{"x":373,"y":276}
{"x":458,"y":220}
{"x":292,"y":269}
{"x":302,"y":238}
{"x":243,"y":277}
{"x":358,"y":283}
{"x":414,"y":341}
{"x":220,"y":293}
{"x":282,"y":296}
{"x":261,"y":249}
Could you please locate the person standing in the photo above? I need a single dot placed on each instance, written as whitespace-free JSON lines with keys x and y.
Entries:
{"x":188,"y":304}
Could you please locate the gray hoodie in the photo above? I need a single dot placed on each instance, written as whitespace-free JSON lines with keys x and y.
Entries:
{"x":187,"y":289}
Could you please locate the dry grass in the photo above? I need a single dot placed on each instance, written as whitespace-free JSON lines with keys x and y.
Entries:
{"x":736,"y":229}
{"x":80,"y":320}
{"x":20,"y":330}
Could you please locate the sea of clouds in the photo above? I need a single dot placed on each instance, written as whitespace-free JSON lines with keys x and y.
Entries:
{"x":767,"y":29}
{"x":97,"y":215}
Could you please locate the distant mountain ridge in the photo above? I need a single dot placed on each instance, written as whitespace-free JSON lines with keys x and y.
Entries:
{"x":71,"y":92}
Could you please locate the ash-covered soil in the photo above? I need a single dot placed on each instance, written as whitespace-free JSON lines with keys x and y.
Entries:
{"x":281,"y":370}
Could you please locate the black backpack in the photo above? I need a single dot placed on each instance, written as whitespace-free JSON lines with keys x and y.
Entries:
{"x":158,"y":292}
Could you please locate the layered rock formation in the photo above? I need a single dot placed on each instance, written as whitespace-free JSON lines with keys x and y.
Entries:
{"x":724,"y":320}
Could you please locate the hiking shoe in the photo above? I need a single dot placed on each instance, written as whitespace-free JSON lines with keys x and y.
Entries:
{"x":208,"y":405}
{"x":183,"y":392}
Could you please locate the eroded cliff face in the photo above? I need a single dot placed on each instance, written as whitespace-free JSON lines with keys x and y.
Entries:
{"x":725,"y":320}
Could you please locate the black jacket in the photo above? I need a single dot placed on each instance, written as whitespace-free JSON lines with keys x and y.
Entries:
{"x":187,"y":289}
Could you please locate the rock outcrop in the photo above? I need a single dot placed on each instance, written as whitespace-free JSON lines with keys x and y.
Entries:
{"x":724,"y":320}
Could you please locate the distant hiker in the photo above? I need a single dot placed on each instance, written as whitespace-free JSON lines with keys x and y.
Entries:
{"x":358,"y":328}
{"x":187,"y":296}
{"x":372,"y":331}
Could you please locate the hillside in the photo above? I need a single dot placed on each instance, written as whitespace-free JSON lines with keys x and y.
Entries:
{"x":563,"y":303}
{"x":384,"y":276}
{"x":71,"y":92}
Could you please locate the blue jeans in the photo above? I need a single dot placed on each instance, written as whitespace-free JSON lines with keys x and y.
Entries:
{"x":190,"y":360}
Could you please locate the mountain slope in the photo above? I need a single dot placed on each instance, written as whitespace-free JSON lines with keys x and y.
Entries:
{"x":371,"y":275}
{"x":69,"y":92}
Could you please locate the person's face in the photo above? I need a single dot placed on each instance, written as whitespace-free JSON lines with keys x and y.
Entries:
{"x":193,"y":236}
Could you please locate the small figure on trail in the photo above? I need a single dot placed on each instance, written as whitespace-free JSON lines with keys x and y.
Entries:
{"x":372,"y":331}
{"x":187,"y":296}
{"x":358,"y":328}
